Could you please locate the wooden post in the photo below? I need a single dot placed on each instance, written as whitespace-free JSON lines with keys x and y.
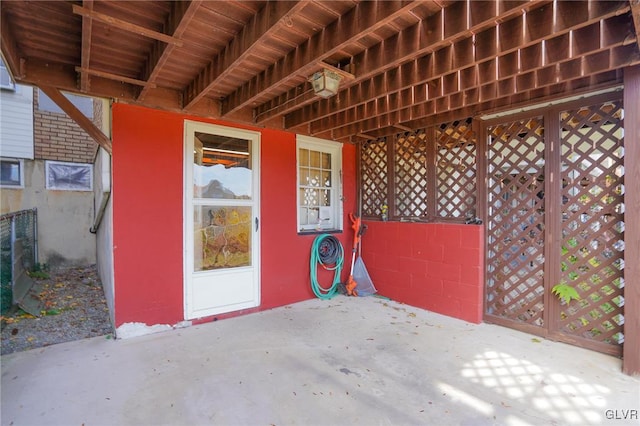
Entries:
{"x":631,"y":351}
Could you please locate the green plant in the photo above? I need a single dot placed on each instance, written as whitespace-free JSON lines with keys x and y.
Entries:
{"x":565,"y":292}
{"x":39,"y":270}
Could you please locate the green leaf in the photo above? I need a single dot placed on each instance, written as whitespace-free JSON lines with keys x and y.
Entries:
{"x":565,"y":292}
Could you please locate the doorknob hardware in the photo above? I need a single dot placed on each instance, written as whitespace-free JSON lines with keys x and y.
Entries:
{"x":257,"y":221}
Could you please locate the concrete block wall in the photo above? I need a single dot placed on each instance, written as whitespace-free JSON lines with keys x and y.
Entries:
{"x":438,"y":267}
{"x":57,"y":137}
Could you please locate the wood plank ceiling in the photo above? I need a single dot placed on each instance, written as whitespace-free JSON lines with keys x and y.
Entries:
{"x":249,"y":61}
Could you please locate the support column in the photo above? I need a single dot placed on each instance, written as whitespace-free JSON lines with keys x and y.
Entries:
{"x":631,"y":351}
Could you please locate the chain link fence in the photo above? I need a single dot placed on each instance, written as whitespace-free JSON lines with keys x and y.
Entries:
{"x":13,"y":226}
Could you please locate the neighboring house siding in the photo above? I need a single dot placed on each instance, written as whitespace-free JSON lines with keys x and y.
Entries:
{"x":58,"y":137}
{"x":16,"y":123}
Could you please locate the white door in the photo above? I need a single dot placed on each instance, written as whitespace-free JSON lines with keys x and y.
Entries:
{"x":221,"y":219}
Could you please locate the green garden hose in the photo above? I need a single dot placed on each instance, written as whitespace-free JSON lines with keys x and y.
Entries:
{"x":328,"y":252}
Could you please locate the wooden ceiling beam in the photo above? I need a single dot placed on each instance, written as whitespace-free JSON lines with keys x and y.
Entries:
{"x":484,"y":54}
{"x":76,"y":115}
{"x":361,"y":20}
{"x":490,"y":96}
{"x":434,"y":32}
{"x":85,"y":55}
{"x":127,"y":26}
{"x":257,"y":30}
{"x":445,"y":91}
{"x":115,"y":77}
{"x":182,"y":13}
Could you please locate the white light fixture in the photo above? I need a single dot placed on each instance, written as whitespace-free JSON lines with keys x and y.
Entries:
{"x":325,"y":83}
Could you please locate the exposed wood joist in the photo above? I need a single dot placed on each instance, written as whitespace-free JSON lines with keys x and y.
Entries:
{"x":76,"y":115}
{"x":127,"y":26}
{"x":181,"y":15}
{"x":444,"y":93}
{"x":422,"y":38}
{"x":115,"y":77}
{"x":450,"y":108}
{"x":87,"y":25}
{"x":260,"y":27}
{"x":363,"y":19}
{"x":409,"y":58}
{"x":473,"y":61}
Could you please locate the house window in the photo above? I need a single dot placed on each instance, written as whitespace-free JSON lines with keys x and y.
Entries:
{"x":69,"y":176}
{"x":11,"y":173}
{"x":319,"y":185}
{"x":83,"y":103}
{"x":5,"y":78}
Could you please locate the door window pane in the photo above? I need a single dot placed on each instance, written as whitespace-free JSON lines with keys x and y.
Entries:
{"x":222,"y":237}
{"x":221,"y":167}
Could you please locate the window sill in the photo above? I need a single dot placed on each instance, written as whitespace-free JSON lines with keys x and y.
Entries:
{"x":324,"y":231}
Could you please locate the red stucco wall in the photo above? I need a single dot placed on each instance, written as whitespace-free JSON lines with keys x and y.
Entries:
{"x":148,"y":217}
{"x":431,"y":266}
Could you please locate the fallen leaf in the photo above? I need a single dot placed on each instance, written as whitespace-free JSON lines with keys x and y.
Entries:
{"x":534,"y":340}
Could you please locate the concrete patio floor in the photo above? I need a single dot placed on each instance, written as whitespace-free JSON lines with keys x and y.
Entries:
{"x":345,"y":361}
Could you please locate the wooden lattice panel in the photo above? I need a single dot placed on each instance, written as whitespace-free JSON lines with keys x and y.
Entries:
{"x":374,"y":177}
{"x":593,"y":221}
{"x":456,"y":169}
{"x":515,"y":228}
{"x":410,"y":167}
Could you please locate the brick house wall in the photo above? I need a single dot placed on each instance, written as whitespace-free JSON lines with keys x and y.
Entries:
{"x":57,"y":137}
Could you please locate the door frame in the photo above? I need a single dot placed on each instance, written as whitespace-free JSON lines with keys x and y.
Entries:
{"x":191,"y":127}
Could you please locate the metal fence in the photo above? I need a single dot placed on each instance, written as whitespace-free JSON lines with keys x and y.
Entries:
{"x":13,"y":226}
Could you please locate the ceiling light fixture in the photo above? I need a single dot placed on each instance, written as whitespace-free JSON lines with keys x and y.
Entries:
{"x":325,"y":83}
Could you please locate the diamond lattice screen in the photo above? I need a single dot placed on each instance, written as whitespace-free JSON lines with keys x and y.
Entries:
{"x":456,"y":171}
{"x":593,"y":221}
{"x":515,"y":252}
{"x":373,"y":169}
{"x":410,"y":167}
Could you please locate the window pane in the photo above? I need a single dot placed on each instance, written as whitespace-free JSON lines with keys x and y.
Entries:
{"x":83,"y":103}
{"x":304,"y":176}
{"x":69,"y":176}
{"x":326,"y":179}
{"x":304,"y":156}
{"x":326,"y":197}
{"x":10,"y":173}
{"x":222,"y":167}
{"x":222,"y":237}
{"x":326,"y":160}
{"x":315,"y":159}
{"x":314,"y":178}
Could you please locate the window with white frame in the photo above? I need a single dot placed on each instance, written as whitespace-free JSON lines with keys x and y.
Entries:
{"x":69,"y":176}
{"x":319,"y":185}
{"x":5,"y":78}
{"x":11,"y":173}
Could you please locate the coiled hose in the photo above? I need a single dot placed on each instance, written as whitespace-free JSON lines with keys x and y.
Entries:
{"x":328,"y":252}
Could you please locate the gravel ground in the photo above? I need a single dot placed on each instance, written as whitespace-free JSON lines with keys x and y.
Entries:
{"x":75,"y":308}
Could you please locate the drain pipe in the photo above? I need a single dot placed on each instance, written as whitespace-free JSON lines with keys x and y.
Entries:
{"x":100,"y":213}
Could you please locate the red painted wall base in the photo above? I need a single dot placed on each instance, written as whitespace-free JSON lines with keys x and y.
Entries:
{"x":432,"y":266}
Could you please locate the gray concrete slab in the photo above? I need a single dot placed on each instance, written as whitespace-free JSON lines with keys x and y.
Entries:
{"x":345,"y":361}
